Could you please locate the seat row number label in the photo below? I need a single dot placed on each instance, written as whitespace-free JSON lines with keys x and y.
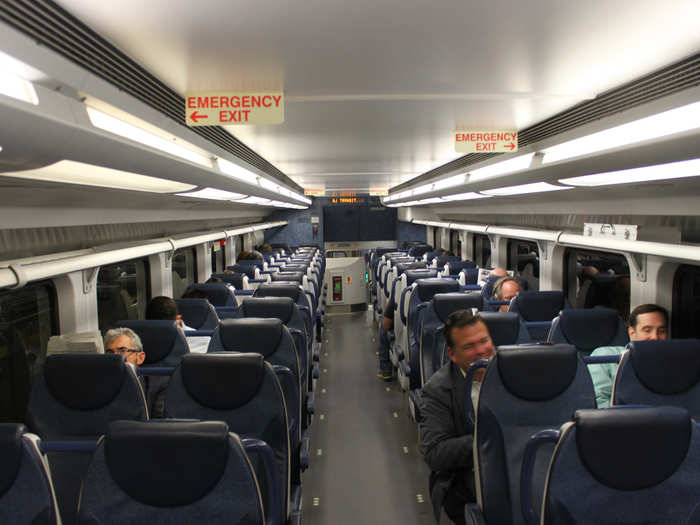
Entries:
{"x":479,"y":141}
{"x":232,"y":108}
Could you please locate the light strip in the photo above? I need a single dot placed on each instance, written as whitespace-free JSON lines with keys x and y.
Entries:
{"x":672,"y":170}
{"x":534,"y":187}
{"x":124,"y":129}
{"x":425,"y":188}
{"x":255,"y":200}
{"x":269,"y":185}
{"x":213,"y":194}
{"x":71,"y":172}
{"x":237,"y":172}
{"x":501,"y":168}
{"x":465,"y":196}
{"x":450,"y":182}
{"x":300,"y":198}
{"x":18,"y":88}
{"x":669,"y":122}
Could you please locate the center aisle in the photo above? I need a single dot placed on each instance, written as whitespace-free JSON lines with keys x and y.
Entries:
{"x":365,"y":464}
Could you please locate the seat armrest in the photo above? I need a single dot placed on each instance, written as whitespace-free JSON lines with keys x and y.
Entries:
{"x":473,"y":515}
{"x":310,"y":402}
{"x":304,"y":447}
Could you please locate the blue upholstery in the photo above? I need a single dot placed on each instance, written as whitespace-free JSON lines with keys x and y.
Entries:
{"x":471,"y":276}
{"x":457,"y":266}
{"x":506,"y":328}
{"x":539,"y":306}
{"x":589,"y":329}
{"x":525,"y":389}
{"x":170,"y":472}
{"x":163,"y":342}
{"x":26,"y":492}
{"x":288,"y":276}
{"x":625,"y":466}
{"x":297,"y":294}
{"x":243,"y":268}
{"x":660,"y":373}
{"x":442,"y":260}
{"x":75,"y":397}
{"x":218,"y":293}
{"x":234,"y":279}
{"x":197,"y":313}
{"x":241,"y":390}
{"x":418,"y":251}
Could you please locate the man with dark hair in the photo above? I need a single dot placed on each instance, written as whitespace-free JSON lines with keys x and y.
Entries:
{"x":446,"y":435}
{"x":647,"y":322}
{"x":164,"y":308}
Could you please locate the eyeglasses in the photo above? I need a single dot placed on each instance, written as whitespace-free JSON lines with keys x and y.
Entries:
{"x":121,"y":350}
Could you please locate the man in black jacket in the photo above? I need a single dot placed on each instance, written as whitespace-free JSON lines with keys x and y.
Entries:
{"x":446,"y":435}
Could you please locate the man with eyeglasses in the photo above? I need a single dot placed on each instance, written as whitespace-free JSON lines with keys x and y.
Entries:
{"x":126,"y":342}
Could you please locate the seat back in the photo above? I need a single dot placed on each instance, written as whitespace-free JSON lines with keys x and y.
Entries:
{"x":589,"y":329}
{"x":647,"y":471}
{"x":536,"y":306}
{"x":506,"y":328}
{"x":197,"y":313}
{"x":660,"y":373}
{"x":234,"y":279}
{"x":294,"y":291}
{"x":243,"y":391}
{"x":244,"y":269}
{"x":471,"y":275}
{"x":26,"y":491}
{"x":170,"y":472}
{"x":218,"y":294}
{"x":163,"y":342}
{"x":524,"y":390}
{"x":453,"y":267}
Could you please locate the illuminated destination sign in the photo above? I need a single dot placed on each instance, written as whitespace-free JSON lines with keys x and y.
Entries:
{"x":347,"y":197}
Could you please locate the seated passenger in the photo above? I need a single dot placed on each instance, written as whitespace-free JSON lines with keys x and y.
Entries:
{"x":193,"y":293}
{"x":504,"y":290}
{"x":446,"y":435}
{"x":126,"y":342}
{"x":647,"y":322}
{"x":165,"y":309}
{"x":386,"y":369}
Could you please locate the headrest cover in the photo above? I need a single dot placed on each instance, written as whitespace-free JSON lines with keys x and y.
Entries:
{"x":195,"y":311}
{"x":667,"y":367}
{"x":278,"y":289}
{"x":504,"y":327}
{"x":217,"y":293}
{"x":576,"y":325}
{"x":522,"y":369}
{"x":413,"y":275}
{"x":632,"y":448}
{"x":236,"y":279}
{"x":402,"y":267}
{"x":446,"y":303}
{"x":222,"y":381}
{"x":281,"y":308}
{"x":10,"y":453}
{"x":471,"y":275}
{"x":158,"y":337}
{"x":288,"y":276}
{"x":71,"y":379}
{"x":427,"y":288}
{"x":539,"y":306}
{"x":251,"y":335}
{"x":166,"y":464}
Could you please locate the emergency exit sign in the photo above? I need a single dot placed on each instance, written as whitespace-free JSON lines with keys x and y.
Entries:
{"x":231,"y":108}
{"x":475,"y":141}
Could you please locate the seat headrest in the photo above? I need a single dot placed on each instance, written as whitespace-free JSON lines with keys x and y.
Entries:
{"x":458,"y":266}
{"x":538,"y":306}
{"x":413,"y":275}
{"x":427,"y":288}
{"x":504,"y":327}
{"x":402,"y":267}
{"x":251,"y":335}
{"x":196,"y":312}
{"x":522,"y":369}
{"x":444,"y":259}
{"x":288,"y":276}
{"x":10,"y":453}
{"x":446,"y":303}
{"x":222,"y":380}
{"x":244,"y":269}
{"x":84,"y":381}
{"x":471,"y":275}
{"x":166,"y":463}
{"x":281,"y":308}
{"x":278,"y":289}
{"x":236,"y":279}
{"x":158,"y":337}
{"x":632,"y":448}
{"x":590,"y":328}
{"x":218,"y":293}
{"x":667,"y":367}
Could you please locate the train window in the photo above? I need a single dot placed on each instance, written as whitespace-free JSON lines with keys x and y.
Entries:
{"x":455,"y":243}
{"x":28,"y":318}
{"x":123,"y":292}
{"x":184,"y":270}
{"x":217,"y":257}
{"x":597,"y":279}
{"x":686,"y":302}
{"x":482,"y":251}
{"x":524,"y":259}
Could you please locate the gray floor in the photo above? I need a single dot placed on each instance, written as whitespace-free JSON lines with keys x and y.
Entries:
{"x":365,"y":464}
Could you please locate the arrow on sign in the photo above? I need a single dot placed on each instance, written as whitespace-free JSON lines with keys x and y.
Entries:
{"x":195,"y":116}
{"x":509,"y":146}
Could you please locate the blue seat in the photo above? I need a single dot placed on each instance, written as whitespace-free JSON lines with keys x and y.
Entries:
{"x":457,"y":266}
{"x":471,"y":276}
{"x":74,"y":398}
{"x":524,"y":390}
{"x":163,"y":342}
{"x":243,"y":391}
{"x":245,"y":269}
{"x":234,"y":279}
{"x":198,"y":314}
{"x":506,"y":328}
{"x":418,"y":251}
{"x":218,"y":294}
{"x":295,"y":292}
{"x":293,"y":276}
{"x":171,"y":472}
{"x":660,"y":373}
{"x":589,"y":329}
{"x":442,"y":260}
{"x":26,"y":492}
{"x":625,"y":466}
{"x":539,"y":307}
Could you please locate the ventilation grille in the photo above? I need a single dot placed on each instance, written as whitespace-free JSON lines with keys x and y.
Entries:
{"x":664,"y":82}
{"x":52,"y":26}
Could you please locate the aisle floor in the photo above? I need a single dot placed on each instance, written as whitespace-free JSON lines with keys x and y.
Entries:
{"x":366,"y":467}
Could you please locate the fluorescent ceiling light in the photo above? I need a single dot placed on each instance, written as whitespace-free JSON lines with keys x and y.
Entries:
{"x":422,"y":189}
{"x":669,"y":122}
{"x":71,"y":172}
{"x":534,"y":187}
{"x":124,"y":129}
{"x":432,"y":200}
{"x":464,"y":196}
{"x":501,"y":168}
{"x":298,"y":197}
{"x":672,"y":170}
{"x":449,"y":182}
{"x":269,"y":185}
{"x":237,"y":172}
{"x":408,"y":203}
{"x":255,"y":200}
{"x":18,"y":88}
{"x":213,"y":194}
